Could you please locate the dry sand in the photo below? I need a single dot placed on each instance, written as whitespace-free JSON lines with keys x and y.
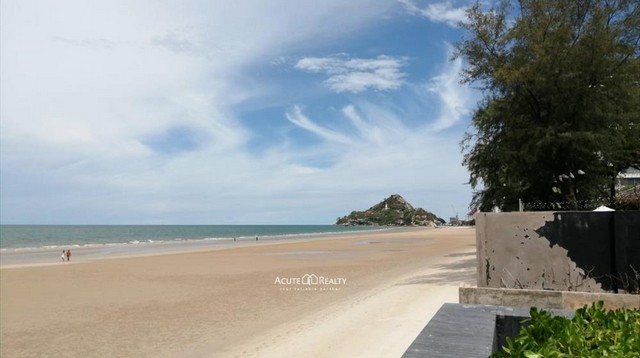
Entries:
{"x":226,"y":302}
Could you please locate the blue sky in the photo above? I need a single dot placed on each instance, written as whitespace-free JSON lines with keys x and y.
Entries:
{"x":229,"y":112}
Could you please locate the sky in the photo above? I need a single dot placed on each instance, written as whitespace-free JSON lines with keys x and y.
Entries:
{"x":229,"y":112}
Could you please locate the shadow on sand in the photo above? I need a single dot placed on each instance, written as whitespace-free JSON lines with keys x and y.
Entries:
{"x":460,"y":271}
{"x":462,"y":254}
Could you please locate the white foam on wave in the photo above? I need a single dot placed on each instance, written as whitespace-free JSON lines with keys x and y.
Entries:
{"x":213,"y":239}
{"x":187,"y":241}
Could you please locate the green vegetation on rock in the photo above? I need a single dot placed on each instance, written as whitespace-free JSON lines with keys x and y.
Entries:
{"x":394,"y":210}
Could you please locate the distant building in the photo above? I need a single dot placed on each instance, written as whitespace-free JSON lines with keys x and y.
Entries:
{"x":629,"y":177}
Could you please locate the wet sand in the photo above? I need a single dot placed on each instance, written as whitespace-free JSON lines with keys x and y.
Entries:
{"x":354,"y":295}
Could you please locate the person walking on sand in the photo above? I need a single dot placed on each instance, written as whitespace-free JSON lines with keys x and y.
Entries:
{"x":68,"y":255}
{"x":63,"y":255}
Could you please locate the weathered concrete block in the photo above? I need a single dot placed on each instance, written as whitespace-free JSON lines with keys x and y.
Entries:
{"x":514,"y":253}
{"x":565,"y":251}
{"x":564,"y":300}
{"x":510,"y":297}
{"x":575,"y":300}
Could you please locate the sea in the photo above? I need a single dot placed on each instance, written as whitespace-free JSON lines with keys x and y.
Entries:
{"x":25,"y":237}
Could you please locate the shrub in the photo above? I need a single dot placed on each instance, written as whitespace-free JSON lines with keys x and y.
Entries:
{"x":593,"y":332}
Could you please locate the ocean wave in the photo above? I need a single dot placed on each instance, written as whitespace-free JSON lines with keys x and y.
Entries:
{"x":182,"y":240}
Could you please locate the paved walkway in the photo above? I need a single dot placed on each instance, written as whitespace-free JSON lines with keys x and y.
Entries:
{"x":466,"y":331}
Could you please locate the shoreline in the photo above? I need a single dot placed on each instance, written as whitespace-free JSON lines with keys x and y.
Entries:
{"x":227,"y":301}
{"x":226,"y":235}
{"x":45,"y":256}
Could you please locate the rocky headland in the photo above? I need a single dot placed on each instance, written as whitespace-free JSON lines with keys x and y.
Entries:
{"x":392,"y":211}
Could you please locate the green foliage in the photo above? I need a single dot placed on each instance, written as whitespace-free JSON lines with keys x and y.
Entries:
{"x":593,"y":332}
{"x":561,"y":113}
{"x":394,"y":210}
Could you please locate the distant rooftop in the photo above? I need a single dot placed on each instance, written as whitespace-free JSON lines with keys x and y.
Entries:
{"x":630,"y":173}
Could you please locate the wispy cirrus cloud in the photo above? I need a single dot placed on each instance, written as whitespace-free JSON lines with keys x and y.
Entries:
{"x":456,"y":100}
{"x":296,"y":117}
{"x":377,"y":142}
{"x":444,"y":12}
{"x":357,"y":74}
{"x":134,"y":112}
{"x":99,"y":43}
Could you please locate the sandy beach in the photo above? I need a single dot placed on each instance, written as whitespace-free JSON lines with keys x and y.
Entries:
{"x":354,"y":295}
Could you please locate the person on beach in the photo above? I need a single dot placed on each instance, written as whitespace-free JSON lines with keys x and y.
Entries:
{"x":68,"y":255}
{"x":63,"y":255}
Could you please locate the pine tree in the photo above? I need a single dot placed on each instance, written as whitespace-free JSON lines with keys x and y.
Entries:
{"x":560,"y":116}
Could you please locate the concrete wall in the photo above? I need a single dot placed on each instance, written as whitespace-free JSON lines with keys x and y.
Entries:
{"x":564,"y":251}
{"x":564,"y":300}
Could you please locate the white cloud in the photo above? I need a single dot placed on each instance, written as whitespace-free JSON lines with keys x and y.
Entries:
{"x":357,"y":74}
{"x":299,"y":119}
{"x":444,"y":12}
{"x":86,"y":86}
{"x":352,"y":114}
{"x":385,"y":154}
{"x":456,"y":99}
